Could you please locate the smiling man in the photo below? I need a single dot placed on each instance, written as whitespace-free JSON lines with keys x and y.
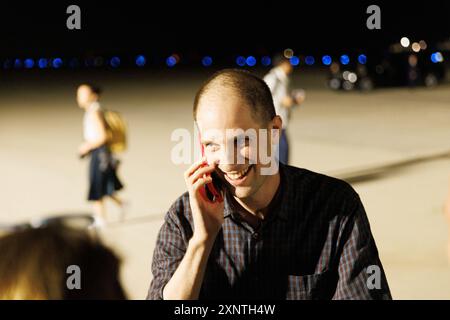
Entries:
{"x":278,"y":234}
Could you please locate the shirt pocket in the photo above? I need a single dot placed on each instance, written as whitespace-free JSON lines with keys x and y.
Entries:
{"x":308,"y":287}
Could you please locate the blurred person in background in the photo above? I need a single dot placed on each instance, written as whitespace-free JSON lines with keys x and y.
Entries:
{"x":34,"y":265}
{"x":278,"y":80}
{"x":103,"y":180}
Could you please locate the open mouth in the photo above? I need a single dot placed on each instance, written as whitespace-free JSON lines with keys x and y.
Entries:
{"x":239,"y":175}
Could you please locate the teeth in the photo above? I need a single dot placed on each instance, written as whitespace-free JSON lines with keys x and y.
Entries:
{"x":238,"y":175}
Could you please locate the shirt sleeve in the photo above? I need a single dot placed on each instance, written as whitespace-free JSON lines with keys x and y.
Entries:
{"x":169,"y":251}
{"x":361,"y":275}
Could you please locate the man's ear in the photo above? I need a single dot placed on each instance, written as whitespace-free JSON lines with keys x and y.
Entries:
{"x":276,"y":125}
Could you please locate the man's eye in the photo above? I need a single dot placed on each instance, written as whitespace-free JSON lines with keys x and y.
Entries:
{"x":211,"y":146}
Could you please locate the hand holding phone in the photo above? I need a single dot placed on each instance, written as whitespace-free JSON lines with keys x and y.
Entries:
{"x":207,"y":206}
{"x":211,"y":191}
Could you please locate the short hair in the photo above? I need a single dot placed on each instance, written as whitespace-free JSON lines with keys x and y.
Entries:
{"x":279,"y":58}
{"x":246,"y":85}
{"x":94,"y":88}
{"x":34,"y":264}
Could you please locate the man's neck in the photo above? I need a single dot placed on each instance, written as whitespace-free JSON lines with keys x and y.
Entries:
{"x":257,"y":203}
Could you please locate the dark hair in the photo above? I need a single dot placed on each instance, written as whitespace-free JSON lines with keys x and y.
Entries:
{"x":247,"y":86}
{"x":279,"y":59}
{"x":94,"y":88}
{"x":34,"y":263}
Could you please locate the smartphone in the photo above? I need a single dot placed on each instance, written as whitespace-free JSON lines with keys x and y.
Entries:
{"x":211,"y":191}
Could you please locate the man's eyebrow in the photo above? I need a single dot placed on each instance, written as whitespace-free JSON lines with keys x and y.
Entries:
{"x":206,"y":141}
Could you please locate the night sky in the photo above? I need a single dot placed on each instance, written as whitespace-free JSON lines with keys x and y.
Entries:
{"x":223,"y":28}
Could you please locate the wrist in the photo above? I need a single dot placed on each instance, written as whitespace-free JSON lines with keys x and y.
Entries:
{"x":202,"y":241}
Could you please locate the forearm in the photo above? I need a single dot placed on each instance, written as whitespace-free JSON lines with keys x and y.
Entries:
{"x":187,"y":280}
{"x":95,"y":143}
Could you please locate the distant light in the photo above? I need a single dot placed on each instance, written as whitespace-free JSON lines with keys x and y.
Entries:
{"x":115,"y":62}
{"x":240,"y":61}
{"x":28,"y":63}
{"x":362,"y":59}
{"x":266,"y":61}
{"x":415,"y":47}
{"x":251,"y":61}
{"x":345,"y":59}
{"x":437,"y":57}
{"x":309,"y":60}
{"x":207,"y":61}
{"x":17,"y":64}
{"x":141,"y":61}
{"x":404,"y":42}
{"x":288,"y":53}
{"x":326,"y":60}
{"x":352,"y":77}
{"x":423,"y":44}
{"x":345,"y":75}
{"x":294,"y":60}
{"x":57,"y":63}
{"x":42,"y":63}
{"x":171,"y":61}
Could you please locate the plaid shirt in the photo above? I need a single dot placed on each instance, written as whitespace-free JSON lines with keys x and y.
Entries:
{"x":316,"y":243}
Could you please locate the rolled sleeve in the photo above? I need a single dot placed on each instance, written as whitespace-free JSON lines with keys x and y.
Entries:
{"x":169,"y":251}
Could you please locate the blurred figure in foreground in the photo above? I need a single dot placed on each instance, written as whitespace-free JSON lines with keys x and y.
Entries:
{"x":283,"y":98}
{"x":35,"y":265}
{"x":103,"y":180}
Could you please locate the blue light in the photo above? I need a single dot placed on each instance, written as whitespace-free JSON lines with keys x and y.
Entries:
{"x":171,"y":61}
{"x":17,"y":64}
{"x":57,"y":63}
{"x":115,"y":62}
{"x":362,"y":59}
{"x":42,"y":63}
{"x":240,"y":61}
{"x":326,"y":60}
{"x":309,"y":60}
{"x":29,"y":63}
{"x":207,"y":61}
{"x":266,"y":61}
{"x":345,"y":59}
{"x":251,"y":61}
{"x":141,"y":61}
{"x":294,"y":60}
{"x":437,"y":57}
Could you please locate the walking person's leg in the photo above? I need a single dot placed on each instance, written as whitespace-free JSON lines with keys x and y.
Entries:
{"x":284,"y":148}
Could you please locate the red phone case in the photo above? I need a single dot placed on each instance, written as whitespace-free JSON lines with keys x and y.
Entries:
{"x":209,"y":188}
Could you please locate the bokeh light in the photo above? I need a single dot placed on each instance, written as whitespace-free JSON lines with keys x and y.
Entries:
{"x":326,"y":60}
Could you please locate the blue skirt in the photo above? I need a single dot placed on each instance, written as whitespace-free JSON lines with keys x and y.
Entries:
{"x":103,"y":180}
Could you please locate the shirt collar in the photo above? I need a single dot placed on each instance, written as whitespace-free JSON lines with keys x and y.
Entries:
{"x":280,"y":204}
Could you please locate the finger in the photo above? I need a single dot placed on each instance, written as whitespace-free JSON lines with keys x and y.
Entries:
{"x":200,"y":173}
{"x":201,"y":182}
{"x":194,"y":167}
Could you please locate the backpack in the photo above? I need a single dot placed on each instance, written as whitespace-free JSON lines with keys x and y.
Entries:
{"x":116,"y":129}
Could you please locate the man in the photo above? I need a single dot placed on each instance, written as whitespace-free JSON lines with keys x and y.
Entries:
{"x":278,"y":81}
{"x":291,"y":234}
{"x":103,"y":180}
